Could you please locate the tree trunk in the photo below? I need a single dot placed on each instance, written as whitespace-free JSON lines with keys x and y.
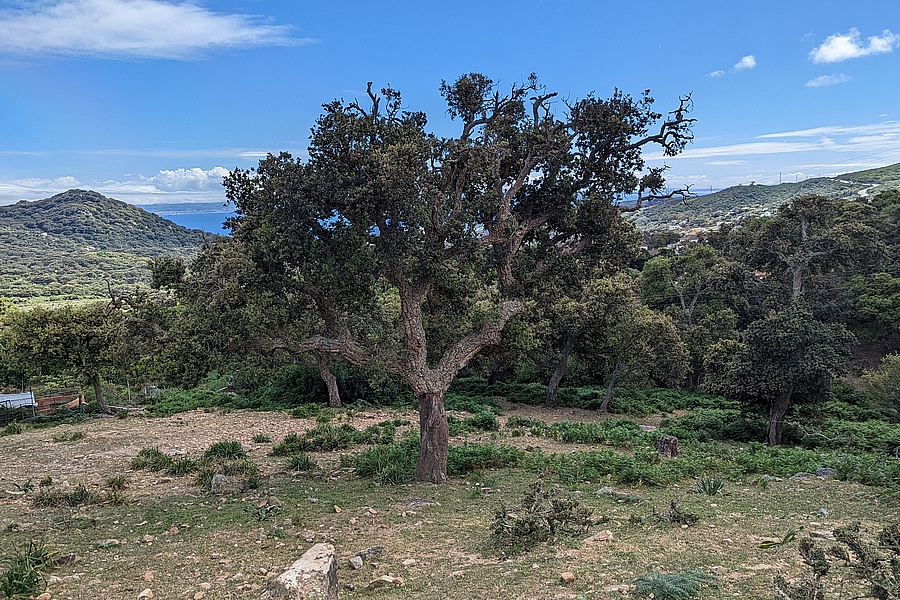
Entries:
{"x":323,"y":361}
{"x":94,"y":379}
{"x":614,"y":378}
{"x":560,"y":370}
{"x":434,"y":438}
{"x":777,"y":409}
{"x":604,"y":406}
{"x":796,"y":281}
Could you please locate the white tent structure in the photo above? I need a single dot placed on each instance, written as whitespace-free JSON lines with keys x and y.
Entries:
{"x":25,"y":400}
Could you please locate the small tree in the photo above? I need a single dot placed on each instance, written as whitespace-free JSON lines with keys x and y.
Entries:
{"x":457,"y":229}
{"x":62,"y":340}
{"x":786,"y":356}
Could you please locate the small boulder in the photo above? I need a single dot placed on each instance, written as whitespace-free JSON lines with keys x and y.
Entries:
{"x":313,"y":575}
{"x":384,"y":581}
{"x":567,"y":577}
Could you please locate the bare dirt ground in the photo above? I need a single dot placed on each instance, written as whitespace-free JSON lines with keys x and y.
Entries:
{"x":178,"y":541}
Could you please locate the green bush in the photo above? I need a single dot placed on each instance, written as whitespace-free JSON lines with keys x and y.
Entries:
{"x":483,"y":421}
{"x":472,"y":457}
{"x":391,"y":464}
{"x":176,"y":401}
{"x":291,"y":444}
{"x":13,"y":428}
{"x":23,"y":577}
{"x":471,"y":404}
{"x":607,"y":431}
{"x":225,"y":450}
{"x":683,"y":585}
{"x":542,"y":516}
{"x":301,"y":462}
{"x":151,"y":459}
{"x":705,"y":424}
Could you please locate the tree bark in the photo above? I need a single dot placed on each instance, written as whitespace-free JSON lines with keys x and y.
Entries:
{"x":434,"y":438}
{"x":604,"y":406}
{"x":777,"y":409}
{"x":323,"y":361}
{"x":559,"y":371}
{"x":94,"y":379}
{"x":796,"y":281}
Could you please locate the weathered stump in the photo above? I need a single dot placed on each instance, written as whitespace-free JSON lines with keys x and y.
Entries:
{"x":667,"y":446}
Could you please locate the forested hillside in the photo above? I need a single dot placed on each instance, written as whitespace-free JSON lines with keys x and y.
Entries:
{"x":68,"y":246}
{"x":734,"y":204}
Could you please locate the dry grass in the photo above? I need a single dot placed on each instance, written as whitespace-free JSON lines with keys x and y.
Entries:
{"x":171,"y":536}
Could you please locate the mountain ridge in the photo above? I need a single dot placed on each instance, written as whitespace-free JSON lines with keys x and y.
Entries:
{"x":736,"y":203}
{"x":69,"y":245}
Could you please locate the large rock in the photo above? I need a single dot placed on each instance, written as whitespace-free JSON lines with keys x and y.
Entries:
{"x":313,"y":576}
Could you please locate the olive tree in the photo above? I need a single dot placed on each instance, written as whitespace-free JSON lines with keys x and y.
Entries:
{"x":456,"y":229}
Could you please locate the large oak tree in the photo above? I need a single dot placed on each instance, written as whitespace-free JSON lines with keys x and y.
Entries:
{"x":456,"y":229}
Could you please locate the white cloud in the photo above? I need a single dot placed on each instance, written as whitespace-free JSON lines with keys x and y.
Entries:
{"x":187,"y":180}
{"x":886,"y":128}
{"x":827,"y":80}
{"x":844,"y":46}
{"x":132,"y":29}
{"x":746,"y":63}
{"x":864,"y":139}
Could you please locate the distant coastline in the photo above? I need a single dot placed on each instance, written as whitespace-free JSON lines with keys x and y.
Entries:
{"x":206,"y":216}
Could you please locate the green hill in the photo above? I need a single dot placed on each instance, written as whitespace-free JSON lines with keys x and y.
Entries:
{"x":68,"y":246}
{"x":736,"y":203}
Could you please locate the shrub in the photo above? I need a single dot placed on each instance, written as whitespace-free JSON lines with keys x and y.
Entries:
{"x":176,"y":401}
{"x":117,"y":483}
{"x":228,"y":450}
{"x":182,"y":466}
{"x":291,"y":444}
{"x":869,"y":568}
{"x":541,"y":517}
{"x":23,"y":577}
{"x":261,"y":438}
{"x":685,"y":584}
{"x":614,"y":431}
{"x":68,"y":436}
{"x":471,"y":404}
{"x":388,"y":464}
{"x":152,"y":459}
{"x":13,"y":428}
{"x":483,"y":421}
{"x":705,"y":424}
{"x":709,"y":486}
{"x":471,"y":457}
{"x":301,"y":462}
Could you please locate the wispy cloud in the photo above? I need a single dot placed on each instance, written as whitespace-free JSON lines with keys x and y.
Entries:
{"x":890,"y":128}
{"x":839,"y":47}
{"x":862,"y":139}
{"x":132,"y":29}
{"x":746,"y":63}
{"x":827,"y":80}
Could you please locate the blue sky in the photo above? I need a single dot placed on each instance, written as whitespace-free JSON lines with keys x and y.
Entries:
{"x":154,"y":101}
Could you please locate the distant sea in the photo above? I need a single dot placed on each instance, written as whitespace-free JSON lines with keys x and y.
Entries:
{"x":208,"y":216}
{"x":211,"y":222}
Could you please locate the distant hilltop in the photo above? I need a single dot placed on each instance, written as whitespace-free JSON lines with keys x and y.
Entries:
{"x":734,"y":204}
{"x":68,"y":246}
